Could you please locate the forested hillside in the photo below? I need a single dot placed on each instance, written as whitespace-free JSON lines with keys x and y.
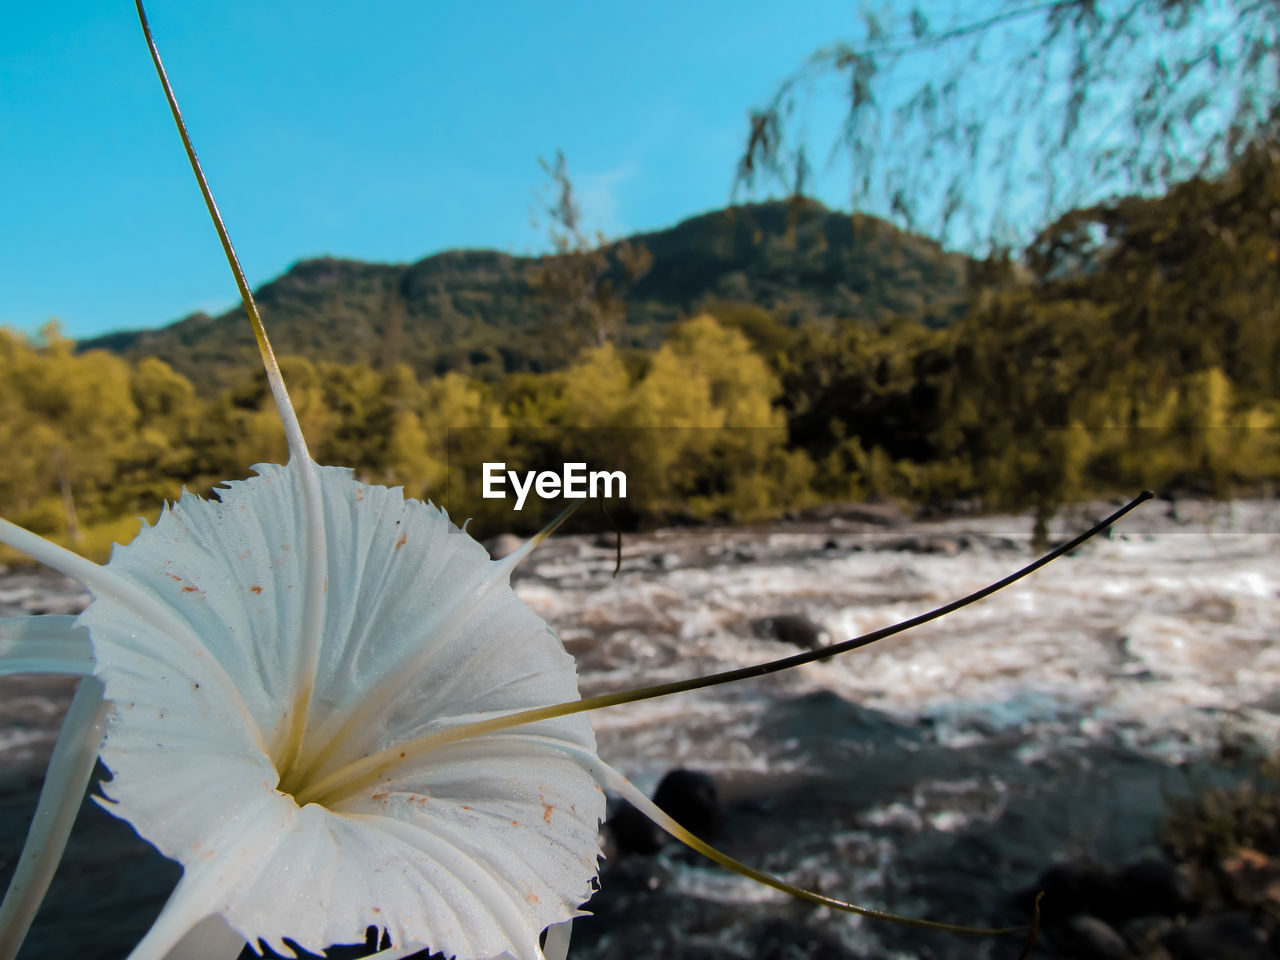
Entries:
{"x":477,"y":311}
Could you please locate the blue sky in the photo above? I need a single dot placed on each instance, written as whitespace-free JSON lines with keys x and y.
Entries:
{"x":383,"y":131}
{"x":397,"y":129}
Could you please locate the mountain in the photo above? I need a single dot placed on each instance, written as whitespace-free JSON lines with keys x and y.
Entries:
{"x":474,"y":310}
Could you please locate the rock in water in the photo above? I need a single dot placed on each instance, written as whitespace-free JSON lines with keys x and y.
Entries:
{"x":1156,"y":887}
{"x":793,"y":628}
{"x":691,"y":799}
{"x":1074,"y":887}
{"x":1084,"y":936}
{"x":1227,"y":936}
{"x":688,"y":796}
{"x":632,"y":832}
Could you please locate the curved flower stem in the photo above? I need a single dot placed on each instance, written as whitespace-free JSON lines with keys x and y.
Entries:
{"x":85,"y":572}
{"x":1034,"y":932}
{"x":210,"y":939}
{"x":287,"y":751}
{"x":608,"y":777}
{"x":47,"y":644}
{"x":382,"y":764}
{"x":556,"y":944}
{"x":64,"y":785}
{"x":633,"y":795}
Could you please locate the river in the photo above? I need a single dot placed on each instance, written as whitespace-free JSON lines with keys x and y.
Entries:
{"x":933,"y":774}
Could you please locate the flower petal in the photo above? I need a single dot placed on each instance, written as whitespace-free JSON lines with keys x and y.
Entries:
{"x":245,"y":837}
{"x":274,"y":858}
{"x":510,"y":807}
{"x":47,"y":644}
{"x":421,"y":632}
{"x":50,"y":554}
{"x":64,"y":785}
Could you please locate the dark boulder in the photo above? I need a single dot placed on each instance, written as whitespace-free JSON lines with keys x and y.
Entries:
{"x":691,"y":799}
{"x":1226,"y":936}
{"x":1072,"y":888}
{"x":793,"y":628}
{"x":1146,"y":935}
{"x":687,"y":796}
{"x":1085,"y":936}
{"x":630,"y":831}
{"x":1156,"y":887}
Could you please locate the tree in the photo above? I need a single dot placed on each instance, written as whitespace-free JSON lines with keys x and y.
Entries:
{"x":1193,"y":273}
{"x":1017,"y":400}
{"x":70,"y":423}
{"x":581,"y":288}
{"x":715,"y":444}
{"x":1086,"y":98}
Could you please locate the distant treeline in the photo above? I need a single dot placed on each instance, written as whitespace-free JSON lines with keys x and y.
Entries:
{"x":1136,"y":345}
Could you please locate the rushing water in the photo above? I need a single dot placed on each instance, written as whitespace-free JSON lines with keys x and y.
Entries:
{"x":933,"y":773}
{"x":1163,"y":634}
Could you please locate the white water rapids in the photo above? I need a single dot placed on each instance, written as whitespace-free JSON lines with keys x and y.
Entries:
{"x":1165,"y":632}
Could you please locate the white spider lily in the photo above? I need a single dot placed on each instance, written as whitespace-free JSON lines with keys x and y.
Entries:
{"x":326,"y":703}
{"x":258,"y":644}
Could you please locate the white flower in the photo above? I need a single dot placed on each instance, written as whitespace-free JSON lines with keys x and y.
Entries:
{"x":249,"y":649}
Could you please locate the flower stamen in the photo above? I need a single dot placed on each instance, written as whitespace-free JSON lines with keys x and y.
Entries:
{"x":344,"y":734}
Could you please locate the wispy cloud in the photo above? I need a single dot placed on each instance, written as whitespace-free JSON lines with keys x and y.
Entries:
{"x":598,"y":198}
